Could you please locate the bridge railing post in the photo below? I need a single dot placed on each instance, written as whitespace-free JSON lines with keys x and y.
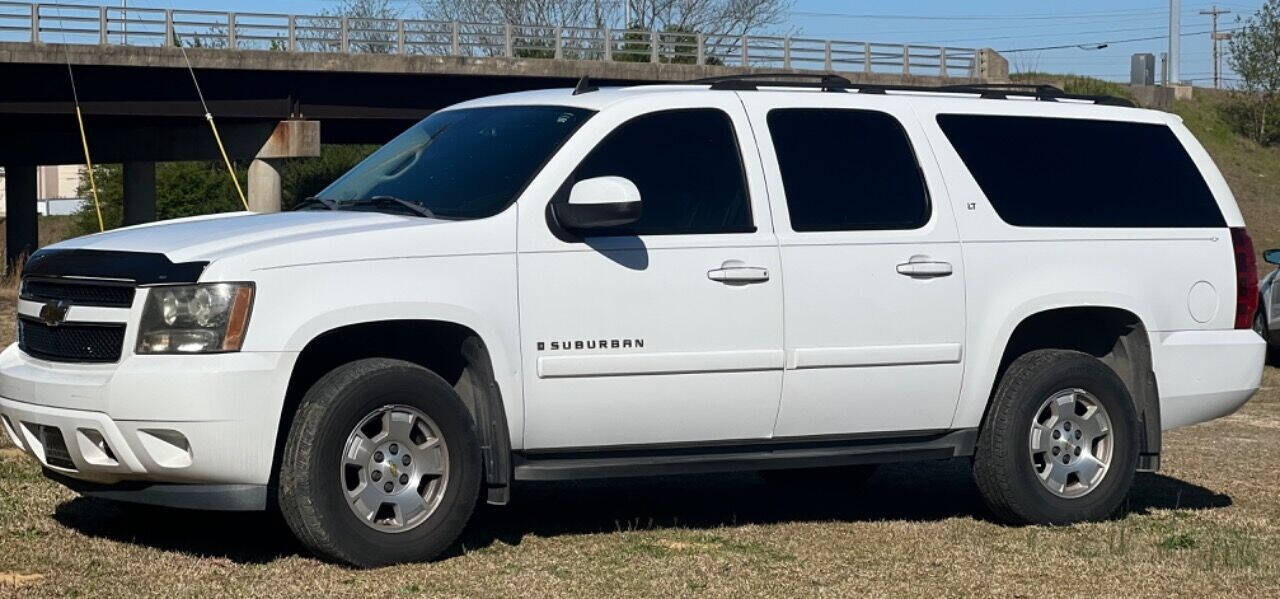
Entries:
{"x":607,"y":41}
{"x":702,"y":49}
{"x":35,"y":23}
{"x":559,"y":47}
{"x":168,"y":28}
{"x":231,"y":31}
{"x":942,"y":62}
{"x":455,"y":41}
{"x":508,"y":41}
{"x":786,"y":52}
{"x":906,"y":60}
{"x":343,"y":39}
{"x":400,"y":49}
{"x":653,"y":46}
{"x":293,"y":33}
{"x":866,"y":57}
{"x":102,"y":25}
{"x":826,"y":56}
{"x":746,"y":56}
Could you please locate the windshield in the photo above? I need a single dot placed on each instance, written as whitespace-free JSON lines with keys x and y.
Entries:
{"x":457,"y":164}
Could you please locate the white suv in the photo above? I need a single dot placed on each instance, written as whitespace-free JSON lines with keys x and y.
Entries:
{"x":741,"y":274}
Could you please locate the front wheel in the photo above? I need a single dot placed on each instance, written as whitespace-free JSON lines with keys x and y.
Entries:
{"x":1060,"y":441}
{"x":381,"y":465}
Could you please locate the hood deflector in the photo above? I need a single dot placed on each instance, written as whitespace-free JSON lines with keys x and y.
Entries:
{"x":142,"y":268}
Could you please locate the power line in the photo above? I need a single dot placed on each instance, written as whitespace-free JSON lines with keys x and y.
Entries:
{"x":1154,"y":11}
{"x":1110,"y":42}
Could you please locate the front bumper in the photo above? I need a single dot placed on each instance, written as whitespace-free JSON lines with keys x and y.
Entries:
{"x":148,"y":421}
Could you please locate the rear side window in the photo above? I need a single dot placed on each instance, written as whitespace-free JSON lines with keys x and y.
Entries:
{"x":1048,"y":172}
{"x":687,"y":167}
{"x":847,"y":170}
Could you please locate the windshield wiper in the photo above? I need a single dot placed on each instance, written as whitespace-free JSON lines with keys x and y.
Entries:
{"x":414,"y":207}
{"x":311,"y":202}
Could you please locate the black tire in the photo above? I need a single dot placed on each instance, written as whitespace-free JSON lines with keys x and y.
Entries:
{"x":310,"y":495}
{"x":1003,"y":466}
{"x":848,"y":477}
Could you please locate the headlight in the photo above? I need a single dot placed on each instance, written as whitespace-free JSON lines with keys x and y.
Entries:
{"x":195,"y":319}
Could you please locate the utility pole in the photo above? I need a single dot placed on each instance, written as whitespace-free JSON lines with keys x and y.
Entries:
{"x":1217,"y":37}
{"x":1175,"y":40}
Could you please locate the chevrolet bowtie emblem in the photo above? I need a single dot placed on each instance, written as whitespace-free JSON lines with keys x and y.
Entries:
{"x":54,"y":312}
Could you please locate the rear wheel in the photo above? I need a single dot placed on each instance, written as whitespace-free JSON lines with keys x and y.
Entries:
{"x":381,"y":466}
{"x":1060,"y":441}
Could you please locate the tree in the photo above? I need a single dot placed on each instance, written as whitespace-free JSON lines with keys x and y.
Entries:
{"x":720,"y":19}
{"x":371,"y":29}
{"x":1255,"y":57}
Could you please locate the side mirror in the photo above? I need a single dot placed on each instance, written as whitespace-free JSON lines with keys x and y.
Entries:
{"x":1271,"y":257}
{"x":599,"y":202}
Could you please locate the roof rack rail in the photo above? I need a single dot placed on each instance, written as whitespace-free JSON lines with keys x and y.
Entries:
{"x":827,"y":81}
{"x":833,"y":82}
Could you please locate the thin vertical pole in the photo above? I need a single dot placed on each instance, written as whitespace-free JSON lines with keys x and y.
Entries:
{"x":1175,"y":40}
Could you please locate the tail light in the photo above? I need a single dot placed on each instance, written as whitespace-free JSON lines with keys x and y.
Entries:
{"x":1246,"y":277}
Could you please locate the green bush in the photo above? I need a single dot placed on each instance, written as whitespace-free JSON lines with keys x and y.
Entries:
{"x":195,"y":188}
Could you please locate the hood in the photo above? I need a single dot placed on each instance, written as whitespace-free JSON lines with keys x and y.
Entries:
{"x":214,"y":236}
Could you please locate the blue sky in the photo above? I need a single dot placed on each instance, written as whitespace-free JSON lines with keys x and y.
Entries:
{"x":1000,"y":24}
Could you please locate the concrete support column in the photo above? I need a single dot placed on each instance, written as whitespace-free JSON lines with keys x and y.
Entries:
{"x":139,"y":193}
{"x":264,"y":185}
{"x":21,"y":220}
{"x":291,"y":139}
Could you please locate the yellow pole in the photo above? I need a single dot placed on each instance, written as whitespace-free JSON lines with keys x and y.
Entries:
{"x":93,"y":183}
{"x":230,"y":169}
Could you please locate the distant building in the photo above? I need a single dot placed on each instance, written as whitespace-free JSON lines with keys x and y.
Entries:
{"x":55,"y":189}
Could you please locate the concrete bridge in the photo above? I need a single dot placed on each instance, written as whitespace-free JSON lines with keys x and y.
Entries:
{"x":279,"y":85}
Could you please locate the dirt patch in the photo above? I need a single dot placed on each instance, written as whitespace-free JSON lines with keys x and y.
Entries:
{"x":16,"y":579}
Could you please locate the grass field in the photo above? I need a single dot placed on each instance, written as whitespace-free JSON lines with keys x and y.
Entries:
{"x":1208,"y":524}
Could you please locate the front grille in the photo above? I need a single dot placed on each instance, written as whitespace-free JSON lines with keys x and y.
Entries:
{"x":55,"y":448}
{"x":71,"y":342}
{"x":80,"y":293}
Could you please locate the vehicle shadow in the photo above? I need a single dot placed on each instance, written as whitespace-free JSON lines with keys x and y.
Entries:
{"x":925,"y":491}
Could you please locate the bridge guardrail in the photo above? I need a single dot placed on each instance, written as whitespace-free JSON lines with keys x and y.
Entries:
{"x":130,"y":26}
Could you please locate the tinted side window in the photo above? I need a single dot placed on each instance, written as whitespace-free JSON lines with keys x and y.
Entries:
{"x":1047,"y":172}
{"x":848,"y":170}
{"x":687,"y":167}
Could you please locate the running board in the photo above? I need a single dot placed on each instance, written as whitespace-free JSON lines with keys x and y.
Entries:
{"x":768,"y":454}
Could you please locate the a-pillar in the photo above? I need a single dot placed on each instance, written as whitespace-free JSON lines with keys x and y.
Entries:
{"x":21,"y":225}
{"x":139,"y":193}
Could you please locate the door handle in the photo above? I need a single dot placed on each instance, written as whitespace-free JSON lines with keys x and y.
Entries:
{"x":920,"y":267}
{"x":730,"y":273}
